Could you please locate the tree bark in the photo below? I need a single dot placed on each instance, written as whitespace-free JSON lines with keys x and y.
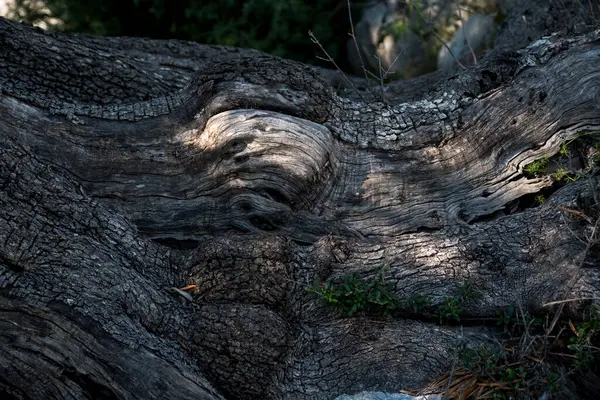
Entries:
{"x":131,"y":167}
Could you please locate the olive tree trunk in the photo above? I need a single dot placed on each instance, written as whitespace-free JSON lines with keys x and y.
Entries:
{"x":131,"y":168}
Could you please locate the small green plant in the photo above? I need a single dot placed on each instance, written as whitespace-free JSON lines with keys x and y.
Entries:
{"x":553,"y":381}
{"x":588,"y":144}
{"x":564,"y":148}
{"x":507,"y":318}
{"x":492,"y":375}
{"x":350,"y":294}
{"x":514,"y":377}
{"x":467,"y":291}
{"x":536,"y":168}
{"x":531,"y":361}
{"x":481,"y":360}
{"x":420,"y":303}
{"x":560,"y":174}
{"x":563,"y":174}
{"x":500,"y":373}
{"x":452,"y":307}
{"x":512,"y":322}
{"x":585,"y":146}
{"x":540,"y":199}
{"x":580,"y":344}
{"x":449,"y":309}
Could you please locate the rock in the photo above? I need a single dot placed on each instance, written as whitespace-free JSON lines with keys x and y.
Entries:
{"x":400,"y":53}
{"x":386,"y":396}
{"x":478,"y":31}
{"x":405,"y":38}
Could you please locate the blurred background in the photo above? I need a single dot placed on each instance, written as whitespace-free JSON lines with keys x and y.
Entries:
{"x":395,"y":39}
{"x":279,"y":27}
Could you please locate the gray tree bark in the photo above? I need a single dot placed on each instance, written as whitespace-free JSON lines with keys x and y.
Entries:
{"x":130,"y":167}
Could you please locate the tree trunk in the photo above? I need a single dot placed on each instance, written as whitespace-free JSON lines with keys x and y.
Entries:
{"x":131,"y":167}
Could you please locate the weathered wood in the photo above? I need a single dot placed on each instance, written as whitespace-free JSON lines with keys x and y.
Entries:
{"x":130,"y":167}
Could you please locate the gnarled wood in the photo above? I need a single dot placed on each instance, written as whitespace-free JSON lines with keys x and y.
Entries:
{"x":131,"y":167}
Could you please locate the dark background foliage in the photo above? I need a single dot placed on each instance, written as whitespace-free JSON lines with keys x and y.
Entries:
{"x":279,"y":27}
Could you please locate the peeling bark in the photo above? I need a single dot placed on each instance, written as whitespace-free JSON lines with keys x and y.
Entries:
{"x":130,"y":167}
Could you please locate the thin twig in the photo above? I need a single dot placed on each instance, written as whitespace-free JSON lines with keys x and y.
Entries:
{"x":430,"y":25}
{"x":525,"y":343}
{"x":387,"y":71}
{"x":450,"y":377}
{"x":552,"y":303}
{"x":383,"y":73}
{"x":571,"y":230}
{"x":331,"y":60}
{"x":593,"y":182}
{"x":353,"y":36}
{"x":464,"y":28}
{"x":595,"y":18}
{"x":381,"y":86}
{"x":591,"y":242}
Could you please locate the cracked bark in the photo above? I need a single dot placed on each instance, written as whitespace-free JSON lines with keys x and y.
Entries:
{"x":129,"y":167}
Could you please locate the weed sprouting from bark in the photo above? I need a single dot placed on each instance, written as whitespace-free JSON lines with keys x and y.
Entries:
{"x":350,"y":294}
